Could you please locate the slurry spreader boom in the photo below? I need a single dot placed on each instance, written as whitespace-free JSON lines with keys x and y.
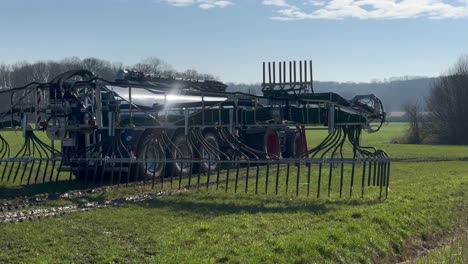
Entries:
{"x":191,"y":133}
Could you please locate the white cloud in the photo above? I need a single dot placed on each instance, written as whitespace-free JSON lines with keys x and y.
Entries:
{"x":203,"y":4}
{"x":368,"y":9}
{"x":280,"y":3}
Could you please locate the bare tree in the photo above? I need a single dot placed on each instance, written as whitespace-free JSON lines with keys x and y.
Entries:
{"x":413,"y":112}
{"x":99,"y":67}
{"x":22,"y":73}
{"x":152,"y":65}
{"x":448,"y":107}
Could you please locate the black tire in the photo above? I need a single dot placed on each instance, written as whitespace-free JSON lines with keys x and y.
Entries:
{"x":211,"y":153}
{"x":181,"y":149}
{"x":149,"y":149}
{"x":294,"y":143}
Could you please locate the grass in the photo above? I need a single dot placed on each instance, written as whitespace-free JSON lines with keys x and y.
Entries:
{"x":216,"y":227}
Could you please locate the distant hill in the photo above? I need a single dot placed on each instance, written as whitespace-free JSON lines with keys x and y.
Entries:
{"x":394,"y":93}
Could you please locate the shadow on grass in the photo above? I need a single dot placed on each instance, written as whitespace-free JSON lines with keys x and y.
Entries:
{"x":15,"y":191}
{"x":210,"y":205}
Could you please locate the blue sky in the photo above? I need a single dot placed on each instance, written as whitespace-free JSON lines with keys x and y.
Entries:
{"x":348,"y":40}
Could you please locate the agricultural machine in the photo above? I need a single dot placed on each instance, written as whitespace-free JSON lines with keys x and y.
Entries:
{"x":192,"y":133}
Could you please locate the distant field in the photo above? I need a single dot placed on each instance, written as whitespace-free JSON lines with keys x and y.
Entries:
{"x":217,"y":227}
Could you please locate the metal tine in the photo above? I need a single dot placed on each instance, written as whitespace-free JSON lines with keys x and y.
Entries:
{"x":22,"y":173}
{"x":112,"y":167}
{"x":374,"y":174}
{"x":277,"y":176}
{"x":227,"y":177}
{"x":369,"y":175}
{"x":46,"y":150}
{"x":180,"y":176}
{"x":25,"y":155}
{"x":247,"y":174}
{"x":13,"y":162}
{"x":267,"y":176}
{"x":153,"y":178}
{"x":351,"y":185}
{"x":35,"y":149}
{"x":388,"y":180}
{"x":5,"y":152}
{"x":309,"y":165}
{"x":96,"y":165}
{"x":339,"y":146}
{"x":330,"y":174}
{"x":237,"y":177}
{"x":341,"y":179}
{"x":379,"y":170}
{"x":198,"y":179}
{"x":298,"y":178}
{"x":256,"y":178}
{"x":287,"y":176}
{"x":384,"y":170}
{"x":364,"y":166}
{"x":38,"y":171}
{"x":345,"y":136}
{"x":290,"y":72}
{"x":285,"y":73}
{"x":209,"y":175}
{"x":280,"y":72}
{"x":264,"y":79}
{"x":45,"y":171}
{"x":5,"y":168}
{"x":119,"y":177}
{"x":54,"y":163}
{"x":59,"y":170}
{"x":300,"y":71}
{"x":30,"y":172}
{"x":269,"y":72}
{"x":274,"y":72}
{"x":380,"y":182}
{"x":319,"y":180}
{"x":70,"y":175}
{"x":218,"y":174}
{"x":190,"y":179}
{"x":192,"y":134}
{"x":82,"y":166}
{"x":118,"y":155}
{"x":103,"y":170}
{"x":26,"y":164}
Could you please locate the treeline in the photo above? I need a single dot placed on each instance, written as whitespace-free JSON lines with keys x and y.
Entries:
{"x":394,"y":93}
{"x":22,"y":73}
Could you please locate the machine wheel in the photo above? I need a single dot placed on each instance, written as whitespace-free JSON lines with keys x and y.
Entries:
{"x":150,"y":149}
{"x":294,"y":144}
{"x":209,"y":153}
{"x":181,"y":149}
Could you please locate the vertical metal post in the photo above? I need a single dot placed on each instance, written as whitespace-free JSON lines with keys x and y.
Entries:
{"x":36,"y":110}
{"x":231,"y":121}
{"x":111,"y":126}
{"x":203,"y":109}
{"x":97,"y":92}
{"x":331,"y":119}
{"x":24,"y":124}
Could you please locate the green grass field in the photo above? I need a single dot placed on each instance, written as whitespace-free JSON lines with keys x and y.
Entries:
{"x":426,"y":194}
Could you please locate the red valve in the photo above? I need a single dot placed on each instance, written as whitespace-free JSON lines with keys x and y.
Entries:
{"x":92,"y":122}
